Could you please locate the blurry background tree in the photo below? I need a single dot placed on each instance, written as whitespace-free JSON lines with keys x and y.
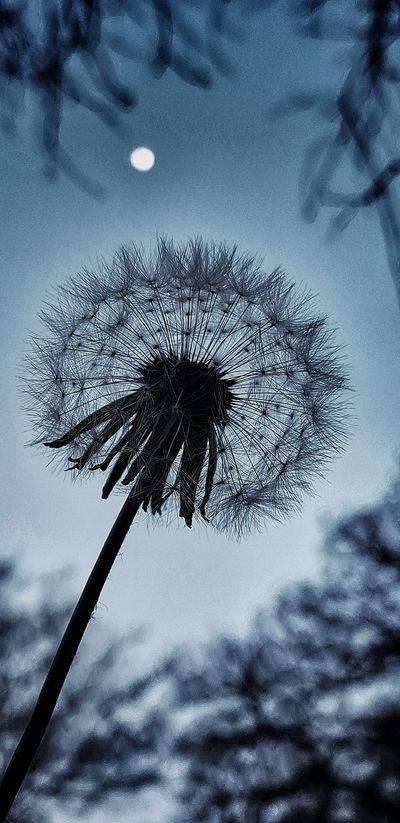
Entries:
{"x":112,"y":741}
{"x":84,"y":52}
{"x":353,"y":162}
{"x":299,"y":721}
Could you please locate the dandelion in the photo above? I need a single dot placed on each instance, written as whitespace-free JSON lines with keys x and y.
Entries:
{"x":196,"y":384}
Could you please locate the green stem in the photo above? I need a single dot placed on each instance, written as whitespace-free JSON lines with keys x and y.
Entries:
{"x":41,"y":715}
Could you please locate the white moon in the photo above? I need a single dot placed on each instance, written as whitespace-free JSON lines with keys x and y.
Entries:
{"x":142,"y":158}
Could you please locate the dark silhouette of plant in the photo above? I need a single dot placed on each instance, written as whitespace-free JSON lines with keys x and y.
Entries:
{"x":203,"y":382}
{"x":299,"y":721}
{"x":354,"y":163}
{"x":108,"y":748}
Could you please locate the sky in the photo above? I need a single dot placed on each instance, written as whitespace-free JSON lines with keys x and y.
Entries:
{"x":224,"y":169}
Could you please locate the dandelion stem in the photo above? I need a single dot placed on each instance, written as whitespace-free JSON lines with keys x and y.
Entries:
{"x":42,"y":713}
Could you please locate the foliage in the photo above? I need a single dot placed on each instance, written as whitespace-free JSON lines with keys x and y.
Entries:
{"x":85,"y":52}
{"x":353,"y":163}
{"x":100,"y":740}
{"x":299,"y":721}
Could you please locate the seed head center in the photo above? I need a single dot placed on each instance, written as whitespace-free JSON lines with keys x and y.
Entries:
{"x":194,"y":390}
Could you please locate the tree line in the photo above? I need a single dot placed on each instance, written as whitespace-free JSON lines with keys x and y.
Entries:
{"x":296,"y":721}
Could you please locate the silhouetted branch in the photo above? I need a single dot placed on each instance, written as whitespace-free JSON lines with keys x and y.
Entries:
{"x":299,"y":720}
{"x":110,"y":749}
{"x":72,"y":50}
{"x":364,"y":116}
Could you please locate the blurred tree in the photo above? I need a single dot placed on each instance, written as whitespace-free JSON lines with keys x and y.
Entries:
{"x":299,"y":721}
{"x":83,"y":51}
{"x":112,"y":740}
{"x":353,"y":163}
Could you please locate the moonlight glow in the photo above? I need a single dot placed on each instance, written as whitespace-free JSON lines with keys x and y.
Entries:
{"x":142,"y":159}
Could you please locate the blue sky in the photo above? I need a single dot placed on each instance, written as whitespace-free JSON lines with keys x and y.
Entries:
{"x":226,"y":171}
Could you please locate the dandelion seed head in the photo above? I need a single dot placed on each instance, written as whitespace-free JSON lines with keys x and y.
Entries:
{"x":195,"y":380}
